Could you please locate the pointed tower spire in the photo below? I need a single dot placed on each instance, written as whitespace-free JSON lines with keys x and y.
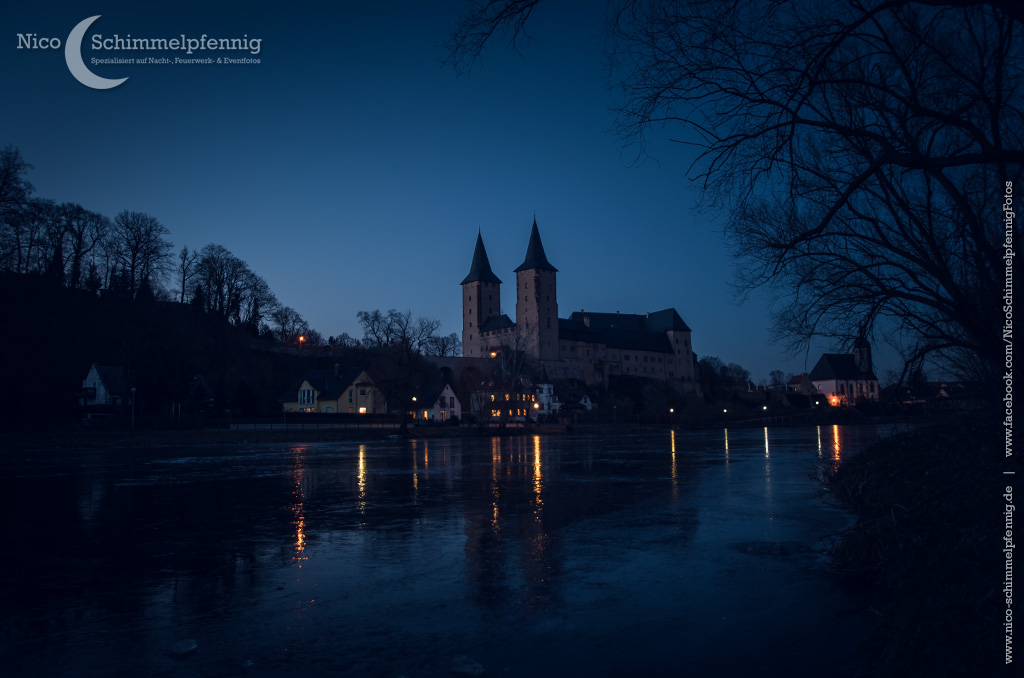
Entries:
{"x":535,"y":257}
{"x":480,"y":269}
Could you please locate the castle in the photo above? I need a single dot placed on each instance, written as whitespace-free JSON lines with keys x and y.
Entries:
{"x":587,"y":346}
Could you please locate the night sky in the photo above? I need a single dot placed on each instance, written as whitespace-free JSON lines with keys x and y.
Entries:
{"x":351,"y":170}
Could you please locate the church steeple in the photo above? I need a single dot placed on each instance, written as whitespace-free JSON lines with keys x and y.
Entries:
{"x":535,"y":257}
{"x":480,"y":269}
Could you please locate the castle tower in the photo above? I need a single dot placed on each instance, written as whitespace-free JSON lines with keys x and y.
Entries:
{"x":537,"y":302}
{"x":481,"y":299}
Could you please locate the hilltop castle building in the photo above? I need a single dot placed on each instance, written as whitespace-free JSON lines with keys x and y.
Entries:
{"x":586,"y":345}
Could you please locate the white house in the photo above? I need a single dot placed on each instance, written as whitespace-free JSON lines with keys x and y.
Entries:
{"x":846,"y":379}
{"x":104,"y":386}
{"x":434,"y":405}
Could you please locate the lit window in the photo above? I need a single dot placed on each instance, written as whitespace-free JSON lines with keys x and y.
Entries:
{"x":362,"y":410}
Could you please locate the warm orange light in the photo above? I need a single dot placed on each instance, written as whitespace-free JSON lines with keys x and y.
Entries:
{"x":494,"y":354}
{"x":362,"y":410}
{"x":301,"y":338}
{"x":536,"y":406}
{"x":414,"y":398}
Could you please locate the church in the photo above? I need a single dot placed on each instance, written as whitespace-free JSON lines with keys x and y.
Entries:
{"x":589,"y":346}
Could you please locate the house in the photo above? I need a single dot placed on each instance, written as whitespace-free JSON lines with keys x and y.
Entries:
{"x":336,"y":390}
{"x":801,"y":384}
{"x":846,"y":379}
{"x":435,"y":405}
{"x":545,"y":395}
{"x":515,"y":403}
{"x":104,"y":385}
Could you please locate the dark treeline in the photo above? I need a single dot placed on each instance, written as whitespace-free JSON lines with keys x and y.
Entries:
{"x":129,"y":256}
{"x":197,"y":331}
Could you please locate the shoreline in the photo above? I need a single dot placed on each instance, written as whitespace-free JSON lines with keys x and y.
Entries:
{"x":25,"y":441}
{"x":923,"y":544}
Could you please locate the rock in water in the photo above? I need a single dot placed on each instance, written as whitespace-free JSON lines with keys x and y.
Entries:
{"x":182,"y":648}
{"x":464,"y":666}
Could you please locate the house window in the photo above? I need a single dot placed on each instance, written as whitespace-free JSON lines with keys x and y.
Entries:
{"x":306,"y":396}
{"x":350,"y":396}
{"x":362,"y":410}
{"x":452,"y":401}
{"x":362,"y":392}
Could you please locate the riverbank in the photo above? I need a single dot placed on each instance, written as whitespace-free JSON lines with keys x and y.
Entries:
{"x":928,"y":541}
{"x":110,"y":439}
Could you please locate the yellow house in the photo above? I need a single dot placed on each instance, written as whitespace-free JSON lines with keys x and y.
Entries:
{"x":330,"y":391}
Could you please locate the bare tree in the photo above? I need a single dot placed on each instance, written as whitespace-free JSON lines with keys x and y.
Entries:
{"x":446,"y":345}
{"x":82,"y":230}
{"x":186,"y":272}
{"x":257,"y":302}
{"x":15,"y":190}
{"x":289,"y":325}
{"x":378,"y":329}
{"x":393,"y":328}
{"x":139,"y":248}
{"x":23,"y":237}
{"x":860,"y":148}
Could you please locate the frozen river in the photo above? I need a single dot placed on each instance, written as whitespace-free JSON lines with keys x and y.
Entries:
{"x":661,"y":554}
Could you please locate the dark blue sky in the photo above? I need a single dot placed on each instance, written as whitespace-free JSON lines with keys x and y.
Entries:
{"x":352,"y":171}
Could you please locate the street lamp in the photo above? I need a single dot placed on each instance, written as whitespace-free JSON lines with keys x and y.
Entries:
{"x":302,"y":338}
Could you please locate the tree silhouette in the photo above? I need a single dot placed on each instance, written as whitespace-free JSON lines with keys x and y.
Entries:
{"x":860,"y":149}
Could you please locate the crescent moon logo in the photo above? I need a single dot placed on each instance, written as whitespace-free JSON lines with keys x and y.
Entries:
{"x":73,"y":55}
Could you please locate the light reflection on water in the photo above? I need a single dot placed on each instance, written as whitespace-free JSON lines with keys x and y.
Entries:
{"x":570,"y":539}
